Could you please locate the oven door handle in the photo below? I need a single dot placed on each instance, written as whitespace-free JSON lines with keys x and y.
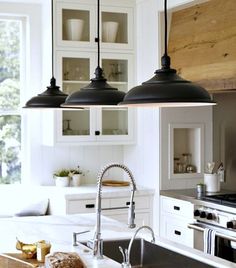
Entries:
{"x":201,"y":229}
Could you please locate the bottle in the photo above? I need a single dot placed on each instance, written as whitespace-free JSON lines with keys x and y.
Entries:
{"x":176,"y":161}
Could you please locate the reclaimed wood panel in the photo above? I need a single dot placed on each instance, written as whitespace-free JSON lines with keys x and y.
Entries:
{"x":202,"y":44}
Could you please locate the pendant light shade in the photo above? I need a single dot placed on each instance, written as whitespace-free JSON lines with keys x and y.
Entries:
{"x":98,"y":92}
{"x":166,"y":88}
{"x":52,"y":97}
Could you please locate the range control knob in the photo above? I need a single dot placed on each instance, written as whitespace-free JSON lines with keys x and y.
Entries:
{"x":231,"y":224}
{"x":210,"y":216}
{"x":202,"y":214}
{"x":196,"y":213}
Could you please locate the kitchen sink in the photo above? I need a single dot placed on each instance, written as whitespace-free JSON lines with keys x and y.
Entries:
{"x":147,"y":254}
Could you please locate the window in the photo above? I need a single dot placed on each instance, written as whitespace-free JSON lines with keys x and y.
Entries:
{"x":11,"y":63}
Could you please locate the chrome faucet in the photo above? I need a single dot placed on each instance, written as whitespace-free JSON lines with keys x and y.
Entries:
{"x":97,"y":241}
{"x":126,"y":255}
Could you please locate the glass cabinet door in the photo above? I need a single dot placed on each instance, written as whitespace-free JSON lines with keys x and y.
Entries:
{"x":118,"y":70}
{"x":74,"y":69}
{"x":75,"y":24}
{"x":75,"y":73}
{"x":116,"y":26}
{"x":76,"y":123}
{"x":114,"y":121}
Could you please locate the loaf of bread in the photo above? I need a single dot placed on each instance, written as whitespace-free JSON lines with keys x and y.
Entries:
{"x":63,"y":260}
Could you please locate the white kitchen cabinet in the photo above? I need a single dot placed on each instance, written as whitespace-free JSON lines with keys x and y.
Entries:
{"x":122,"y":15}
{"x":98,"y":126}
{"x":76,"y":61}
{"x":174,"y":217}
{"x":115,"y":208}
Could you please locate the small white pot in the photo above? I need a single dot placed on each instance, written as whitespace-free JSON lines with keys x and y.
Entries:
{"x":76,"y":180}
{"x":74,"y":29}
{"x":109,"y":31}
{"x":62,"y":181}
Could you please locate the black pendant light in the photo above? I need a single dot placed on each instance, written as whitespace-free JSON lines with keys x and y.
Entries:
{"x":166,"y":88}
{"x":53,"y":97}
{"x":98,"y":92}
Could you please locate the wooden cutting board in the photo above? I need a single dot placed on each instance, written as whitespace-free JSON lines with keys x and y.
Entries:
{"x":202,"y":44}
{"x":115,"y":183}
{"x":16,"y":260}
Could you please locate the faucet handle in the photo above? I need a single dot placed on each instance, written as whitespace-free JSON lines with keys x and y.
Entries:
{"x":131,"y":216}
{"x":75,"y":237}
{"x":125,"y":263}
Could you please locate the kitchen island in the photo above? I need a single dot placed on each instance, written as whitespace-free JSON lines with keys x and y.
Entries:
{"x":58,"y":230}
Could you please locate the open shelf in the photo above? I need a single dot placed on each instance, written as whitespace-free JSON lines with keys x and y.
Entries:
{"x":185,"y":150}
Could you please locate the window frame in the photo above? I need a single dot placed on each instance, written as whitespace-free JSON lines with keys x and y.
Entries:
{"x":30,"y":73}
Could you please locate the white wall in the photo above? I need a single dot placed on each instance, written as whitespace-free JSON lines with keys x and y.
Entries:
{"x":143,"y":158}
{"x":190,"y":116}
{"x":224,"y":136}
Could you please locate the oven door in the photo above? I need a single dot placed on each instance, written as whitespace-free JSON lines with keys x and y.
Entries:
{"x":225,"y":242}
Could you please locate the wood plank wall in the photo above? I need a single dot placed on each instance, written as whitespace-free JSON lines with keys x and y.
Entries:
{"x":202,"y":44}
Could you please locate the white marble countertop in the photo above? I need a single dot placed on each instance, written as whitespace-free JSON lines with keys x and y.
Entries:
{"x":58,"y":230}
{"x":89,"y":191}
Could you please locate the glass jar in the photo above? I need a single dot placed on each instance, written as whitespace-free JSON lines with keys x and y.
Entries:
{"x":176,"y":161}
{"x":179,"y":168}
{"x":187,"y":165}
{"x":186,"y":161}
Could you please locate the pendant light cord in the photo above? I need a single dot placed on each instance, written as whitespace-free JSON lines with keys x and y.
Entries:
{"x":165,"y":15}
{"x":98,"y":71}
{"x":52,"y":39}
{"x":165,"y":60}
{"x":98,"y":32}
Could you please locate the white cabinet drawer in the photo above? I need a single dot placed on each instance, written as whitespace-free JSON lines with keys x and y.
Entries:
{"x":84,"y":206}
{"x":140,"y":202}
{"x":177,"y":207}
{"x":177,"y":231}
{"x":141,"y":218}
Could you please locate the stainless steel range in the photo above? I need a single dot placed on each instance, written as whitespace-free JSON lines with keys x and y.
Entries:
{"x":217,"y":212}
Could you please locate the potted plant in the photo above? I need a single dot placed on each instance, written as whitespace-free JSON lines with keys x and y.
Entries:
{"x":62,"y":178}
{"x":75,"y":175}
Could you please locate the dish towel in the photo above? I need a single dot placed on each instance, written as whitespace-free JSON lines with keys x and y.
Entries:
{"x":209,"y":241}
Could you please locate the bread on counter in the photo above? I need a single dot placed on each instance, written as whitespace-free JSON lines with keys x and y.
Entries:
{"x":63,"y":260}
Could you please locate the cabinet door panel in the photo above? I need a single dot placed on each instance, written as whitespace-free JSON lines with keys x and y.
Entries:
{"x":84,"y":206}
{"x":176,"y":230}
{"x":75,"y":25}
{"x":140,"y":202}
{"x":177,"y":207}
{"x":141,"y":218}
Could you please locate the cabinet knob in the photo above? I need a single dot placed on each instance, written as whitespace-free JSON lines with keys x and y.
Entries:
{"x":196,"y":213}
{"x":202,"y":214}
{"x":210,"y":216}
{"x":231,"y":224}
{"x":177,"y":232}
{"x":176,"y":208}
{"x":97,"y":133}
{"x":128,"y":203}
{"x":90,"y":206}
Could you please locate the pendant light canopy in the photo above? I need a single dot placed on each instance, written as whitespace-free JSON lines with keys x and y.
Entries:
{"x":53,"y":97}
{"x":98,"y":92}
{"x":167,"y":88}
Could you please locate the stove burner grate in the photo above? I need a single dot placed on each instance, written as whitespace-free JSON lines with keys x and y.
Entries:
{"x":223,"y":199}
